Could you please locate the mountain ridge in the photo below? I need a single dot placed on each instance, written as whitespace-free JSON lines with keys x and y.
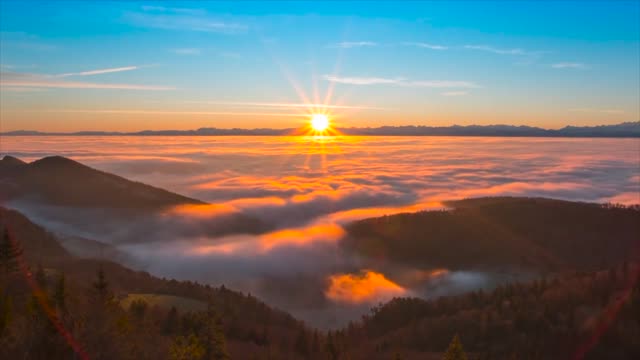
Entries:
{"x":63,"y":181}
{"x":621,"y":130}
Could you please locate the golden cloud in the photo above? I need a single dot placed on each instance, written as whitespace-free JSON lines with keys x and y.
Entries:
{"x":367,"y":286}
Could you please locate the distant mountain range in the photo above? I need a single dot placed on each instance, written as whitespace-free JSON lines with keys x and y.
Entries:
{"x":627,"y":129}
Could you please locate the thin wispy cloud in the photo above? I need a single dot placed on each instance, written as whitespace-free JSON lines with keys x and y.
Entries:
{"x":569,"y":65}
{"x":491,"y":49}
{"x":284,"y":105}
{"x":230,"y":54}
{"x":400,"y":82}
{"x":187,"y":51}
{"x":592,"y":110}
{"x":151,"y":8}
{"x":425,"y":45}
{"x":99,"y":71}
{"x":20,"y":89}
{"x":361,"y":80}
{"x":354,"y":44}
{"x":159,"y":17}
{"x":168,"y":112}
{"x":10,"y":79}
{"x":454,"y":93}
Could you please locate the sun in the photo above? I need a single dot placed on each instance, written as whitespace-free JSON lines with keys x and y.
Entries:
{"x":319,"y":122}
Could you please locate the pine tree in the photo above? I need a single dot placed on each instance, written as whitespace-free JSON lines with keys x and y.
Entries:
{"x":171,"y":322}
{"x":41,"y":277}
{"x":330,"y":347}
{"x":5,"y":314}
{"x":10,"y":251}
{"x":60,"y":295}
{"x":215,"y":342}
{"x":302,"y":343}
{"x":455,"y":350}
{"x":315,"y":343}
{"x":101,"y":288}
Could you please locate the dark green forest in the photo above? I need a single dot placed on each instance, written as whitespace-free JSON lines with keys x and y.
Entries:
{"x":585,"y":305}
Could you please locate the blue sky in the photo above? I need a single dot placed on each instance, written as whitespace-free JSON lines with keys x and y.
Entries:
{"x":163,"y":65}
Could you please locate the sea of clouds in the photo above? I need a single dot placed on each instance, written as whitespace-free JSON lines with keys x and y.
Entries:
{"x":306,"y":189}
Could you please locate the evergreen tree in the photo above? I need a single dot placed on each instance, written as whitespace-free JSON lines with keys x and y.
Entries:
{"x":60,"y":295}
{"x":138,"y":309}
{"x":10,"y":251}
{"x":41,"y":277}
{"x":315,"y":343}
{"x":186,"y":348}
{"x":101,"y":288}
{"x":171,"y":322}
{"x":331,"y":348}
{"x":215,"y":343}
{"x":455,"y":350}
{"x":302,"y":343}
{"x":5,"y":314}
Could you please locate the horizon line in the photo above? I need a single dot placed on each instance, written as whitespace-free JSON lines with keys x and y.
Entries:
{"x":383,"y":130}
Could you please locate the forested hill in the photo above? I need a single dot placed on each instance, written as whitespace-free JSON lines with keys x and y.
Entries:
{"x":53,"y":303}
{"x":43,"y":286}
{"x":577,"y":315}
{"x":504,"y":233}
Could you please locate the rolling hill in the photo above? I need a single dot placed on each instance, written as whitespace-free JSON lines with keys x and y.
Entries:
{"x":60,"y":181}
{"x":540,"y":235}
{"x":249,"y":325}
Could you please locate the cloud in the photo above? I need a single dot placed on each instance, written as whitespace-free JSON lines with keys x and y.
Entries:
{"x":25,"y":80}
{"x":230,"y":54}
{"x":285,"y":105}
{"x":592,"y":110}
{"x":187,"y":51}
{"x":425,"y":45}
{"x":569,"y":65}
{"x":454,"y":93}
{"x":160,"y":17}
{"x":99,"y":71}
{"x":515,"y":51}
{"x":354,"y":44}
{"x":20,"y":89}
{"x":155,"y":112}
{"x":400,"y":82}
{"x":307,"y":191}
{"x":151,"y":8}
{"x":365,"y":287}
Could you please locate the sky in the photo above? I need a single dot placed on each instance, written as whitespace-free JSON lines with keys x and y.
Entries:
{"x":128,"y":66}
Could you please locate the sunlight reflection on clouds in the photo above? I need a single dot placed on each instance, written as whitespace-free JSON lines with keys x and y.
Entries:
{"x":306,"y":189}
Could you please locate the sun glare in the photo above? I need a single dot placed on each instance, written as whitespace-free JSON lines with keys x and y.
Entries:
{"x":319,"y":122}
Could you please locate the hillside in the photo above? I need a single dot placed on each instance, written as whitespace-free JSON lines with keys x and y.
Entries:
{"x":77,"y":201}
{"x":503,"y":233}
{"x":575,"y":315}
{"x":249,"y":326}
{"x":567,"y":315}
{"x":56,"y":180}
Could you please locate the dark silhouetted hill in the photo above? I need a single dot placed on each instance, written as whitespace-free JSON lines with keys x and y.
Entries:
{"x":56,"y":180}
{"x":503,"y":233}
